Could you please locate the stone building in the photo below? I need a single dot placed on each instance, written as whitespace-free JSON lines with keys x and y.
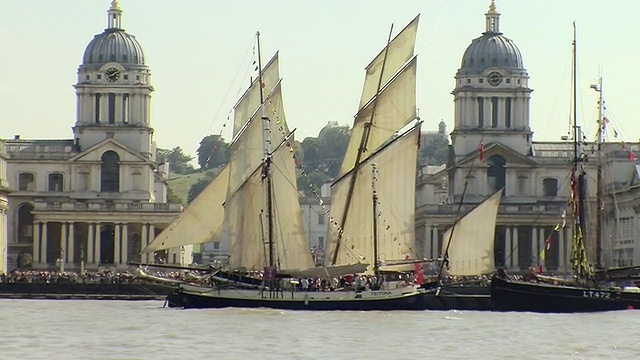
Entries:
{"x":493,"y":148}
{"x":4,"y":191}
{"x":98,"y":198}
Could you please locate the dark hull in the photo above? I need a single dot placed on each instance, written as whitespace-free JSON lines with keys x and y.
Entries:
{"x":90,"y":291}
{"x":475,"y":298}
{"x":514,"y":295}
{"x":195,"y":301}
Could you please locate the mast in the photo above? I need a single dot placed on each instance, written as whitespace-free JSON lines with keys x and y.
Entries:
{"x":266,"y":141}
{"x":599,"y":179}
{"x":361,"y":149}
{"x":374,"y":187}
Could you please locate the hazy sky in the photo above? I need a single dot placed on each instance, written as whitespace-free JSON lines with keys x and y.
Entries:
{"x":200,"y":53}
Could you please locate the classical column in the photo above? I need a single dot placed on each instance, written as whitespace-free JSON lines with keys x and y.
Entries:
{"x":143,"y":242}
{"x":71,"y":246}
{"x":514,"y":250}
{"x":43,"y":244}
{"x":90,"y":234}
{"x":152,"y":235}
{"x":125,"y":243}
{"x":96,"y":252}
{"x":116,"y":244}
{"x":435,"y":252}
{"x":63,"y":242}
{"x":508,"y":257}
{"x":36,"y":242}
{"x":534,"y":244}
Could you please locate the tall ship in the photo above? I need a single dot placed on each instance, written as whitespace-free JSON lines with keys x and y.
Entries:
{"x":591,"y":287}
{"x":254,"y":200}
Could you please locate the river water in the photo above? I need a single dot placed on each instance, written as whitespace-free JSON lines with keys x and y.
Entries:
{"x":85,"y":329}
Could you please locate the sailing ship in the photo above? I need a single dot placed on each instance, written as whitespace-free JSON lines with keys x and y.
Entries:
{"x":255,"y":200}
{"x":589,"y":289}
{"x":468,"y":254}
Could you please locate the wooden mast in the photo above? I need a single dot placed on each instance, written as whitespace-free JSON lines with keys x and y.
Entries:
{"x":599,"y":184}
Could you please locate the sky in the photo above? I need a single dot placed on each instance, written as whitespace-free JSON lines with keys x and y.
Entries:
{"x":200,"y":55}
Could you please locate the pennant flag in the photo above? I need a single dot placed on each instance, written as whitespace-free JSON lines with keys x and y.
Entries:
{"x":542,"y":253}
{"x":481,"y":151}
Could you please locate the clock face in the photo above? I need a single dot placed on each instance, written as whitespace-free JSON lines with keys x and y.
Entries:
{"x":494,"y":78}
{"x":112,"y":74}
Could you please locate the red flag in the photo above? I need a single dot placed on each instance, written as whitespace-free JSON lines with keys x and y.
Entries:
{"x":418,"y":273}
{"x":632,"y":156}
{"x":481,"y":151}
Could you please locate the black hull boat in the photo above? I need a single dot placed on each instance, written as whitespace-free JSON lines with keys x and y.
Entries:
{"x":196,"y":297}
{"x":518,"y":295}
{"x":456,"y":297}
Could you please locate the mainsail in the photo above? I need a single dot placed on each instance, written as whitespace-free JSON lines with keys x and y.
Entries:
{"x":470,"y":241}
{"x":388,"y":104}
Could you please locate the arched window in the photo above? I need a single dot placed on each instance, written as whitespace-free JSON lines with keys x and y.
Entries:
{"x":550,"y":187}
{"x":110,"y":172}
{"x":56,"y":181}
{"x":25,"y":224}
{"x":496,"y":173}
{"x":26,"y":182}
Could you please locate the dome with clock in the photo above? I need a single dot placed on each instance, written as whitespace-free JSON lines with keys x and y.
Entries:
{"x":114,"y":44}
{"x":491,"y":50}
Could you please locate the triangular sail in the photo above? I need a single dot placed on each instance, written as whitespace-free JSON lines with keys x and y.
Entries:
{"x":249,"y":103}
{"x":400,"y":50}
{"x":471,"y":248}
{"x":200,"y":222}
{"x":396,"y":207}
{"x":393,"y":108}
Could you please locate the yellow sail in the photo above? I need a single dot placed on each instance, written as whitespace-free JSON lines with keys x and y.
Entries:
{"x":471,"y":247}
{"x":396,"y":207}
{"x":249,"y":103}
{"x":392,"y":109}
{"x":200,"y":222}
{"x":399,"y":51}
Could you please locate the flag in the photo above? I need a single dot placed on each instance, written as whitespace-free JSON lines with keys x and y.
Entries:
{"x":632,"y":155}
{"x":542,"y":253}
{"x":481,"y":151}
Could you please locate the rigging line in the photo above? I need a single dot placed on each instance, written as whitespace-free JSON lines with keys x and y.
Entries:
{"x":235,"y":77}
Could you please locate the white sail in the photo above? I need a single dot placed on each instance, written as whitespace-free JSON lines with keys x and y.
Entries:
{"x":399,"y":51}
{"x":396,"y":207}
{"x":392,"y":109}
{"x":471,"y":248}
{"x":249,"y":103}
{"x":201,"y":221}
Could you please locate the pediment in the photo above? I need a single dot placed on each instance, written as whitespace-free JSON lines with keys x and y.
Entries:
{"x":511,"y":156}
{"x":95,"y":152}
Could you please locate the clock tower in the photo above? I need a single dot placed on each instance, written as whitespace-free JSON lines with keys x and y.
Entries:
{"x":114,"y":90}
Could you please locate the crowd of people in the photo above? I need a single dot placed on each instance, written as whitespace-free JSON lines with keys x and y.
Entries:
{"x":86,"y":277}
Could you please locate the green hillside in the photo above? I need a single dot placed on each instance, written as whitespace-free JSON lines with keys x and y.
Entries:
{"x":180,"y":184}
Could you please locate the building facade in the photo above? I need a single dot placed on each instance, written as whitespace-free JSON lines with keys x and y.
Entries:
{"x":97,"y":199}
{"x":4,"y":203}
{"x":492,"y":149}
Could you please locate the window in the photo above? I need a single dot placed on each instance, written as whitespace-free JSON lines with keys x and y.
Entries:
{"x":494,"y":112}
{"x":550,"y":187}
{"x":25,"y":224}
{"x":125,"y":77}
{"x":56,"y":181}
{"x":216,"y":245}
{"x":112,"y":108}
{"x":507,"y":112}
{"x":99,"y":76}
{"x":97,"y":108}
{"x":320,"y":219}
{"x":110,"y":172}
{"x":496,"y":173}
{"x":26,"y":182}
{"x":321,"y":243}
{"x":88,"y":77}
{"x":481,"y":80}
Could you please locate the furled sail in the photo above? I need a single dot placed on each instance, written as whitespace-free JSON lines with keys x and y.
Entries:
{"x":396,"y":207}
{"x":471,"y":248}
{"x":249,"y":103}
{"x":201,"y":221}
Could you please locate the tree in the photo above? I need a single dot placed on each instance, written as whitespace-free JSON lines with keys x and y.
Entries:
{"x":325,"y":153}
{"x":212,"y":152}
{"x":177,"y":159}
{"x":435,"y":152}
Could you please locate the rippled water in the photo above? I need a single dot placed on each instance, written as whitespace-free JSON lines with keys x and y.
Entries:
{"x":56,"y":329}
